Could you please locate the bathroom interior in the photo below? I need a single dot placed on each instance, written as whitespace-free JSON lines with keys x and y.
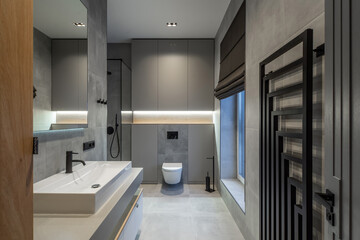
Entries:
{"x":192,"y":119}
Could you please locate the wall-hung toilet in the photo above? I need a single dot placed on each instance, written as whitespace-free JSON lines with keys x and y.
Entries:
{"x":172,"y":172}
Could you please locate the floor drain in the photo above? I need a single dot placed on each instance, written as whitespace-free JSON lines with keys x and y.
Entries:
{"x":95,"y":186}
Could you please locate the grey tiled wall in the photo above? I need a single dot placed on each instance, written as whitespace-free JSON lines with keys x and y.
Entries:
{"x":269,"y":25}
{"x":42,"y":80}
{"x":53,"y":145}
{"x":173,"y":150}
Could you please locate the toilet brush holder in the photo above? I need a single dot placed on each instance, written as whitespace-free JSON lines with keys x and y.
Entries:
{"x":207,"y":183}
{"x":207,"y":179}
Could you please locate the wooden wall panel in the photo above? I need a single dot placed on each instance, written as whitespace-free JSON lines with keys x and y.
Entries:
{"x":16,"y":73}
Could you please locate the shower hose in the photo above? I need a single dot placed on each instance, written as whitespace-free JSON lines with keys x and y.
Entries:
{"x":117,"y":138}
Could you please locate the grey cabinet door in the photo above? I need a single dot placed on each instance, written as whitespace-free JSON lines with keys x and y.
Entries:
{"x":201,"y":75}
{"x":201,"y":147}
{"x":172,"y":85}
{"x":144,"y":75}
{"x":64,"y":61}
{"x":144,"y":150}
{"x":83,"y":75}
{"x":69,"y":75}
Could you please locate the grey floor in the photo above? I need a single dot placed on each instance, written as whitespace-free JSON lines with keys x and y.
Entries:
{"x":185,"y":212}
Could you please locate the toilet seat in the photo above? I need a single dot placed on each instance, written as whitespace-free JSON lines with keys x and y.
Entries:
{"x":172,"y":167}
{"x":172,"y":172}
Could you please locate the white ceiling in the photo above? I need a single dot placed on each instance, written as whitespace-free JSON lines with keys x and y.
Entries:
{"x":55,"y":18}
{"x":129,"y":19}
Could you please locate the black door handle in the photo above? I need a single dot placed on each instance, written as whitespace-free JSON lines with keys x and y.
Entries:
{"x":328,"y":201}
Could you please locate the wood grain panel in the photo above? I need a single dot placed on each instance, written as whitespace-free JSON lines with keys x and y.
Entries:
{"x":16,"y":73}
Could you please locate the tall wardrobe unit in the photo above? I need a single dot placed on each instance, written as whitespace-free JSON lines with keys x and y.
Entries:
{"x":173,"y":75}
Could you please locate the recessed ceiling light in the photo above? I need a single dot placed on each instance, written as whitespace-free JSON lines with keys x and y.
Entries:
{"x":79,"y":24}
{"x":171,"y":24}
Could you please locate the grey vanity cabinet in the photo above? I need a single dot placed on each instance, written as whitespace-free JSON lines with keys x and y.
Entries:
{"x":69,"y":75}
{"x":144,"y":75}
{"x":201,"y":75}
{"x":172,"y":83}
{"x":144,"y":150}
{"x":201,"y":147}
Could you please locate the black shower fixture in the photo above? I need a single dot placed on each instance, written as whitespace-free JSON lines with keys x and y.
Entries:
{"x":115,"y":132}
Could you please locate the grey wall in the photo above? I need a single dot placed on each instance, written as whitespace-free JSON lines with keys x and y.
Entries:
{"x":43,"y":117}
{"x":269,"y":25}
{"x":120,"y":51}
{"x":355,"y":133}
{"x":113,"y":106}
{"x":173,"y":150}
{"x":53,"y":145}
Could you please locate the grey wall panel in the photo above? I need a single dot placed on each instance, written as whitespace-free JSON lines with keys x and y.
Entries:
{"x":125,"y":87}
{"x":355,"y":133}
{"x":201,"y":146}
{"x":355,"y":111}
{"x":83,"y":75}
{"x":144,"y":75}
{"x":172,"y":80}
{"x":144,"y":150}
{"x":173,"y":150}
{"x":64,"y":75}
{"x":201,"y":75}
{"x":126,"y":142}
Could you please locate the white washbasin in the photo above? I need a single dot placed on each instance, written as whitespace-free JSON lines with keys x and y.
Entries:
{"x":73,"y":192}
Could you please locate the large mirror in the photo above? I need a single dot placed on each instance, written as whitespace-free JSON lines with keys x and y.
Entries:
{"x":60,"y":65}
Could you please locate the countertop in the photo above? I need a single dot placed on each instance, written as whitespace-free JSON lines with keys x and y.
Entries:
{"x":82,"y":226}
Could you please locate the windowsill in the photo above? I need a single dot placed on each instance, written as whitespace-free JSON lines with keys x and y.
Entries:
{"x":237,"y":191}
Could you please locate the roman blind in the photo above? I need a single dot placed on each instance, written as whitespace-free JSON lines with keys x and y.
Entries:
{"x":232,"y":58}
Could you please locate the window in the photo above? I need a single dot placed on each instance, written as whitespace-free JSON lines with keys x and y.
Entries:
{"x":241,"y":136}
{"x":232,"y":146}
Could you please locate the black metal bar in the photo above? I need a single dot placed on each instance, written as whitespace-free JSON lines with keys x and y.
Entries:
{"x":293,"y":43}
{"x":298,"y":135}
{"x":279,"y":149}
{"x":286,"y":69}
{"x":285,"y":90}
{"x":307,"y":136}
{"x":273,"y":169}
{"x":320,"y":50}
{"x":290,"y":209}
{"x":296,"y":183}
{"x":268,"y":167}
{"x":292,"y":158}
{"x":298,"y":222}
{"x":262,"y":158}
{"x":284,"y":193}
{"x":293,"y":111}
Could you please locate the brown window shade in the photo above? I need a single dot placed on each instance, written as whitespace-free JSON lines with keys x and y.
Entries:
{"x":232,"y":58}
{"x":234,"y":33}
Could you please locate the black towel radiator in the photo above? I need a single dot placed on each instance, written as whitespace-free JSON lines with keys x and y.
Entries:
{"x":281,"y":217}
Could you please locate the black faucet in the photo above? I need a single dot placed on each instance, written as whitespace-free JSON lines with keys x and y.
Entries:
{"x":69,"y":161}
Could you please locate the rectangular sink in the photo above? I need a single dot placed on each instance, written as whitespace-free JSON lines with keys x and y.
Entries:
{"x":82,"y":192}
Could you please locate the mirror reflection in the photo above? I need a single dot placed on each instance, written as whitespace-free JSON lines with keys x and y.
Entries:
{"x":60,"y":65}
